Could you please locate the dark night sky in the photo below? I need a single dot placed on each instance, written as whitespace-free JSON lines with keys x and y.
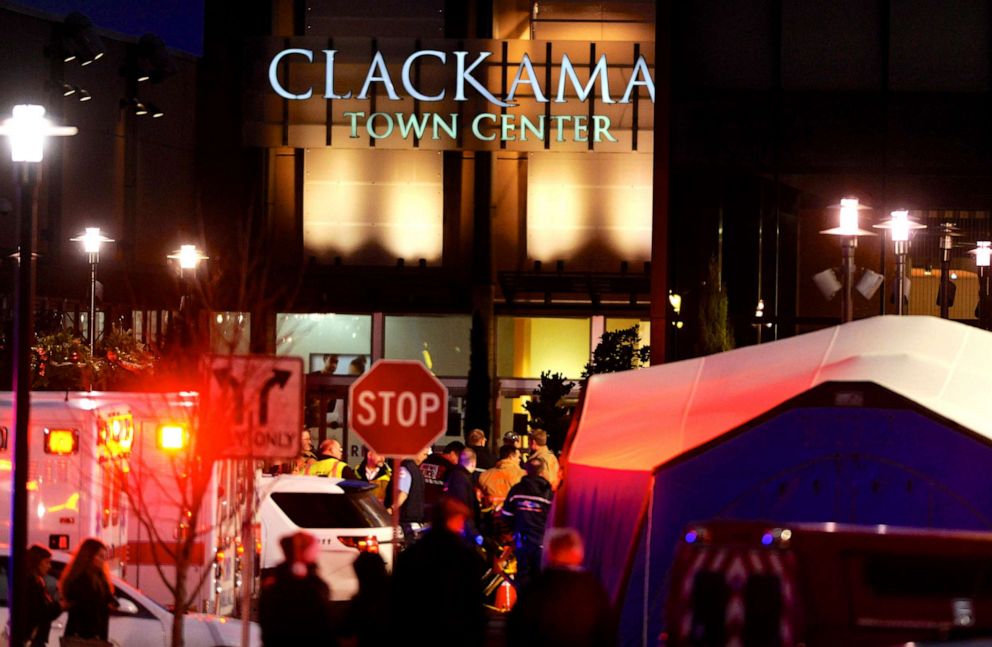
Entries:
{"x":177,"y":22}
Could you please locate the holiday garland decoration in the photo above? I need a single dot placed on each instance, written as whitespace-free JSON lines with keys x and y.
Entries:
{"x":61,"y":361}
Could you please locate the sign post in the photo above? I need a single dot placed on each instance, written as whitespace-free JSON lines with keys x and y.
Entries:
{"x":255,"y":410}
{"x":398,"y":407}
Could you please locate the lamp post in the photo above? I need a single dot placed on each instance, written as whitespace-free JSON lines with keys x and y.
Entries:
{"x":27,"y":130}
{"x":848,"y":231}
{"x":92,"y":239}
{"x":948,"y":232}
{"x":188,"y":257}
{"x":900,"y":227}
{"x":983,"y":258}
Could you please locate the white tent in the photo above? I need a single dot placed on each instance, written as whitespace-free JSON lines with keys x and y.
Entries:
{"x":632,"y":424}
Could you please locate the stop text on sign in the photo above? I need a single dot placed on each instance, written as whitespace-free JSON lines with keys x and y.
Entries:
{"x":411,"y":409}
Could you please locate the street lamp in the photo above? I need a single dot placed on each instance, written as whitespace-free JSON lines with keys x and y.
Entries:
{"x":92,"y":239}
{"x":27,"y":131}
{"x":188,"y":257}
{"x":983,"y":258}
{"x":948,"y":232}
{"x":848,"y":231}
{"x":900,"y":227}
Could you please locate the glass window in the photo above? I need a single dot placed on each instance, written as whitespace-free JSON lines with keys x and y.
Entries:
{"x":341,"y":343}
{"x":372,"y":206}
{"x":230,"y":333}
{"x":442,"y":343}
{"x":528,"y":346}
{"x":324,"y":510}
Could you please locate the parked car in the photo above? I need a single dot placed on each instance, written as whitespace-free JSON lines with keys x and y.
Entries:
{"x":344,"y":516}
{"x":139,"y":621}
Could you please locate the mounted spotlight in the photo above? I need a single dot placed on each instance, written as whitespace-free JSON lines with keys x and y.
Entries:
{"x":153,"y":59}
{"x":84,"y":95}
{"x":67,"y":89}
{"x":80,"y":40}
{"x":869,"y":283}
{"x":154,"y":110}
{"x":136,"y":105}
{"x":827,"y":283}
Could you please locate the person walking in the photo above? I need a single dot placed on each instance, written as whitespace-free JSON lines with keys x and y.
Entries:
{"x":370,"y":606}
{"x":441,"y":573}
{"x":88,"y":592}
{"x":563,"y":606}
{"x":42,"y":609}
{"x":526,"y":508}
{"x":294,"y":607}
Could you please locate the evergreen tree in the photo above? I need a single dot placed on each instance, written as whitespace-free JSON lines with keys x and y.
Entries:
{"x":546,"y":410}
{"x":715,"y":335}
{"x":619,"y":350}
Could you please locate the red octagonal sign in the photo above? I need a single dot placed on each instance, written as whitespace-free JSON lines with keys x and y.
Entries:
{"x":398,"y":407}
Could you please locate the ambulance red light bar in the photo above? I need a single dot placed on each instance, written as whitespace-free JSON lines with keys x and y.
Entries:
{"x":61,"y":442}
{"x":362,"y":544}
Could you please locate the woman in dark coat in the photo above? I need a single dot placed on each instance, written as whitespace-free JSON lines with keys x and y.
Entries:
{"x":42,"y":609}
{"x":88,"y":592}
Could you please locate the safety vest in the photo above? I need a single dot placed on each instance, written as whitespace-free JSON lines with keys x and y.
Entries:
{"x":327,"y":467}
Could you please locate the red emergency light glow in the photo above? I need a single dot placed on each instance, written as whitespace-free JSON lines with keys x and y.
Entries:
{"x":61,"y":442}
{"x":368,"y":544}
{"x":171,"y":437}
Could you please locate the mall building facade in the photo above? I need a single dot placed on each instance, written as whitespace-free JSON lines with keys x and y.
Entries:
{"x":551,"y":170}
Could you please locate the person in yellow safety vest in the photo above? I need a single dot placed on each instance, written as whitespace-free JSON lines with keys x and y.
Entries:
{"x":329,"y":461}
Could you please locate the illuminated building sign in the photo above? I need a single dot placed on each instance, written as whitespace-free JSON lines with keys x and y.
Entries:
{"x":526,"y":95}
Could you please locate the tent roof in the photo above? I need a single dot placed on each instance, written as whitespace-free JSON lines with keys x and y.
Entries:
{"x":637,"y":420}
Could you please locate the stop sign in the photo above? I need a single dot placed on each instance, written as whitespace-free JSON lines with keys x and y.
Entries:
{"x":398,"y":407}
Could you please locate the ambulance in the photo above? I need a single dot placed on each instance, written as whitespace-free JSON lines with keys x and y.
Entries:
{"x":81,"y":446}
{"x":75,"y":445}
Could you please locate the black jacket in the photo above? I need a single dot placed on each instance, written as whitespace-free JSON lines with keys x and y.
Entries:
{"x":42,"y":609}
{"x":89,"y":608}
{"x":484,"y":459}
{"x":461,"y":486}
{"x":562,"y":608}
{"x":413,"y":508}
{"x":527,"y":505}
{"x":294,"y":610}
{"x":442,"y":574}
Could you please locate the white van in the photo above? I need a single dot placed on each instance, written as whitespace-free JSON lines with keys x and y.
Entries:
{"x":344,"y":516}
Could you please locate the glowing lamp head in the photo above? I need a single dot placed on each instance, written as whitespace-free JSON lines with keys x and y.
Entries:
{"x":92,"y":239}
{"x":27,"y":130}
{"x":27,"y":137}
{"x":983,"y":253}
{"x":188,"y":256}
{"x":849,"y":217}
{"x":171,"y":437}
{"x":900,"y":225}
{"x":676,"y":301}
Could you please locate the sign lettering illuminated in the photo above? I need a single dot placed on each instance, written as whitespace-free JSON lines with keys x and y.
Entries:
{"x":486,"y":126}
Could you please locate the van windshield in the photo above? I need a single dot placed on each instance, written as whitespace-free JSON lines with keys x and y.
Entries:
{"x":327,"y":510}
